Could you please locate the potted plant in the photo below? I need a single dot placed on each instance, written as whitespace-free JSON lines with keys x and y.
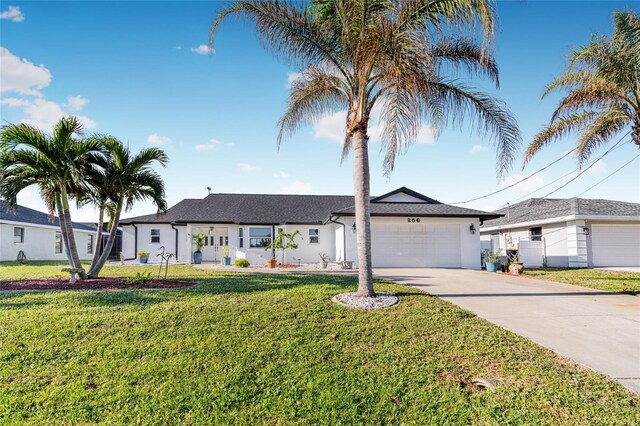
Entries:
{"x":491,"y":259}
{"x":504,"y":267}
{"x":324,"y":260}
{"x":515,"y":266}
{"x":198,"y":240}
{"x":226,"y":260}
{"x":143,"y":256}
{"x":282,"y":241}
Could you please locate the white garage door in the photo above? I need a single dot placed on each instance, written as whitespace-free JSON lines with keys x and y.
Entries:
{"x":415,"y":245}
{"x":615,"y":245}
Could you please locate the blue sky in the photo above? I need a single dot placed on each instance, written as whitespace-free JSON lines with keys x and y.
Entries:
{"x":136,"y":70}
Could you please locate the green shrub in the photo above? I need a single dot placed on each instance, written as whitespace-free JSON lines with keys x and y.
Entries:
{"x":140,"y":278}
{"x":242,"y":263}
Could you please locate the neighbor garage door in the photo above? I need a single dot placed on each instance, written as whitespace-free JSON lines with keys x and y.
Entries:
{"x":615,"y":245}
{"x":415,"y":245}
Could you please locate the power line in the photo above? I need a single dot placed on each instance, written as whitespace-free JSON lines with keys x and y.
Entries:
{"x":518,"y":182}
{"x":583,"y":171}
{"x":563,"y":176}
{"x":616,"y":171}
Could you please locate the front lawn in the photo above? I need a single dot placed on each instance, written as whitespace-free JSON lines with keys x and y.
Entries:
{"x":273,"y":349}
{"x":622,"y":282}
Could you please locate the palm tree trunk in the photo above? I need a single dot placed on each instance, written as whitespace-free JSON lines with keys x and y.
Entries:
{"x":68,"y":226}
{"x":63,"y":231}
{"x":96,"y":253}
{"x":95,"y":269}
{"x":363,"y":226}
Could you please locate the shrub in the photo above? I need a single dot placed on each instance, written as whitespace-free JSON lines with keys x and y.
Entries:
{"x":143,"y":253}
{"x":242,"y":263}
{"x":140,"y":278}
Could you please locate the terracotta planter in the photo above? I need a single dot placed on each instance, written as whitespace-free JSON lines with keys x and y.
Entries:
{"x":271,"y":263}
{"x":516,"y":268}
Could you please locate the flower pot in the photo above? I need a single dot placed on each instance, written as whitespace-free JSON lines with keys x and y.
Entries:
{"x":197,"y":257}
{"x":271,"y":263}
{"x":143,"y":259}
{"x":516,"y":268}
{"x":226,"y":261}
{"x":491,"y":266}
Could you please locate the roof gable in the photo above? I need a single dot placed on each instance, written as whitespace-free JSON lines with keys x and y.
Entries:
{"x":404,"y":195}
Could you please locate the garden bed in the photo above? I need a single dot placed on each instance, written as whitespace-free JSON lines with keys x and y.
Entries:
{"x":107,"y":283}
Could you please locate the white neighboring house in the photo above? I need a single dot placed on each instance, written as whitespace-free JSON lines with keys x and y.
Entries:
{"x":573,"y":232}
{"x":31,"y":231}
{"x":408,"y":229}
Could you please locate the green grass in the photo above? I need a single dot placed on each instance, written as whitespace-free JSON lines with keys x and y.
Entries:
{"x":622,"y":282}
{"x":273,"y":349}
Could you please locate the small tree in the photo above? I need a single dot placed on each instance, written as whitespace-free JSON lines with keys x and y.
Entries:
{"x":284,"y":241}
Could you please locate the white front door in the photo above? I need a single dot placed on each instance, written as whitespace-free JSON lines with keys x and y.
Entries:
{"x":416,"y":245}
{"x":217,"y":239}
{"x":615,"y":245}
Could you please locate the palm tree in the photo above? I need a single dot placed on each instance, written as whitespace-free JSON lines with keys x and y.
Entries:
{"x":126,"y":179}
{"x":54,"y":163}
{"x":403,"y":56}
{"x":603,"y":85}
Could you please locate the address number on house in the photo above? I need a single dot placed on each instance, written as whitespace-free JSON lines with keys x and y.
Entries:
{"x":413,"y":219}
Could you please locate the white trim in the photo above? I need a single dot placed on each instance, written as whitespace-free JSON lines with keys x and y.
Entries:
{"x":558,"y":219}
{"x":35,"y":225}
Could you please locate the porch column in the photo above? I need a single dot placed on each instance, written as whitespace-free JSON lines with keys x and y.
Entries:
{"x":577,"y":244}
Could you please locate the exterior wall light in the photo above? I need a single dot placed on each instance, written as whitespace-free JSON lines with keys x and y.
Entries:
{"x":585,"y":230}
{"x":353,"y":228}
{"x":472,"y":229}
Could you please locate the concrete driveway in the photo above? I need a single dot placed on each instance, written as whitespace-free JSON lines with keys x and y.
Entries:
{"x":598,"y":329}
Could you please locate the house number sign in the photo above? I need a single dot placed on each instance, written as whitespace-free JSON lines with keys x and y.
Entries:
{"x":413,"y":219}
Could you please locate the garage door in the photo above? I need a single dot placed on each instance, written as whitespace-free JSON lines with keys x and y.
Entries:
{"x":615,"y":245}
{"x":415,"y":245}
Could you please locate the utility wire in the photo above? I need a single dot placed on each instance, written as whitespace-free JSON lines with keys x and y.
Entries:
{"x":583,"y":171}
{"x":560,"y":178}
{"x":518,"y":182}
{"x":616,"y":171}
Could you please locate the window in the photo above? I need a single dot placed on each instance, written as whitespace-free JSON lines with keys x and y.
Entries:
{"x":58,"y":243}
{"x":259,"y":237}
{"x":155,"y":235}
{"x":535,"y":233}
{"x":314,"y":236}
{"x":18,"y":235}
{"x":240,"y":237}
{"x":90,"y":245}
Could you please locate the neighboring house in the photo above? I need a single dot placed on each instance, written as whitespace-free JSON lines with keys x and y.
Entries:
{"x":574,"y":232}
{"x":408,"y":229}
{"x":30,"y":231}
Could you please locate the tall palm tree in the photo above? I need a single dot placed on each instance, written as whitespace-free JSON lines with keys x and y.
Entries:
{"x":603,"y":85}
{"x":403,"y":56}
{"x":127,"y":178}
{"x":55,"y":163}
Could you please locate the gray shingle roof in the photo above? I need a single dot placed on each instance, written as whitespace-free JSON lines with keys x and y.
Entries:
{"x":541,"y":208}
{"x":27,"y":215}
{"x":292,"y":209}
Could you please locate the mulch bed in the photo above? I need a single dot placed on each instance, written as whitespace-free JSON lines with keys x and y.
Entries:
{"x":107,"y":283}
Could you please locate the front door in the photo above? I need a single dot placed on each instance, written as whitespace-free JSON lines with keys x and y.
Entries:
{"x":218,"y":239}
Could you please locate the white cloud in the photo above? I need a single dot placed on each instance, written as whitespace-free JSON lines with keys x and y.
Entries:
{"x":76,"y":103}
{"x":297,"y":187}
{"x":531,"y":184}
{"x":598,"y":167}
{"x":156,"y":139}
{"x":291,"y":77}
{"x":14,"y":102}
{"x":21,"y":76}
{"x":247,"y":168}
{"x":478,"y":148}
{"x":209,"y":146}
{"x":203,"y":49}
{"x":331,"y":126}
{"x":13,"y":14}
{"x":42,"y":113}
{"x":281,"y":174}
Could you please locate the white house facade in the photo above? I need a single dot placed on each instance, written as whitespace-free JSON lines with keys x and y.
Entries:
{"x":408,"y":229}
{"x":30,"y":232}
{"x":574,"y":232}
